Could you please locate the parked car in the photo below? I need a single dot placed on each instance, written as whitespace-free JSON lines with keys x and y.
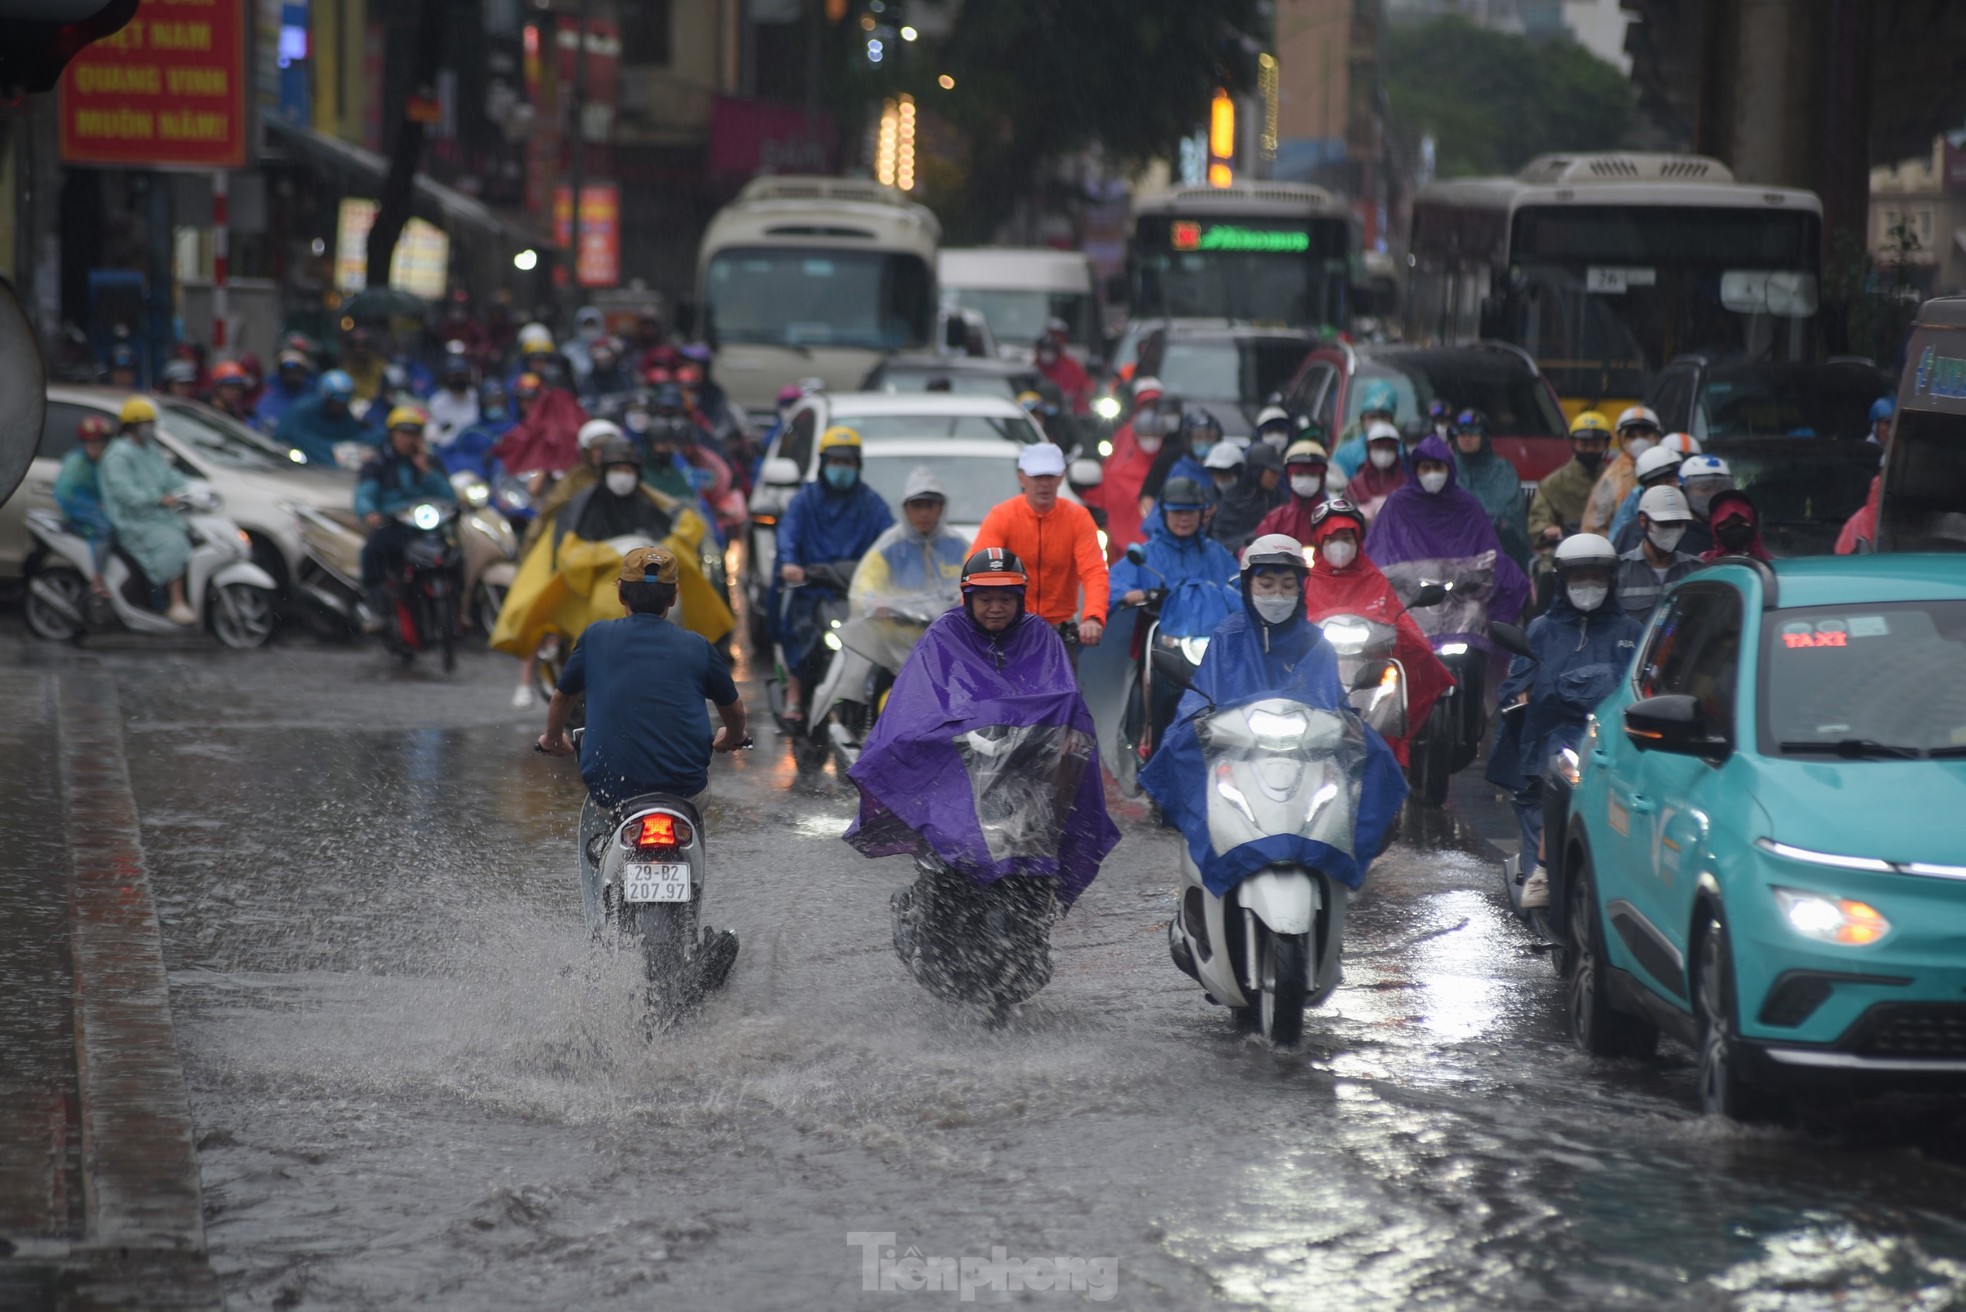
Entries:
{"x":1763,"y":857}
{"x":256,"y":478}
{"x":1719,"y":399}
{"x":960,"y":374}
{"x":1229,"y":370}
{"x":1525,"y":422}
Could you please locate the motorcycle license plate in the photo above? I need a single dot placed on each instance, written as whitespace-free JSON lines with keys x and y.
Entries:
{"x":664,"y":881}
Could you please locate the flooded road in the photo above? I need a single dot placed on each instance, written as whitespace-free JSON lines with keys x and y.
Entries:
{"x":415,"y":1083}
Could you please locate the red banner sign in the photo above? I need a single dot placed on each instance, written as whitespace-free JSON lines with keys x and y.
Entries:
{"x":598,"y":261}
{"x":168,"y":91}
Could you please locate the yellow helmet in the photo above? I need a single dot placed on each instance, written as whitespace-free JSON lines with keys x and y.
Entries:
{"x":407,"y":416}
{"x":1590,"y":424}
{"x":139,"y":410}
{"x":839,"y":435}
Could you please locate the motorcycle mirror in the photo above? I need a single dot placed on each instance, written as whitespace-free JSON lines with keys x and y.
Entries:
{"x":1082,"y":474}
{"x":1170,"y":665}
{"x":1430,"y":594}
{"x":23,"y":391}
{"x":1511,"y":639}
{"x":1369,"y":675}
{"x":781,"y":471}
{"x":1136,"y":554}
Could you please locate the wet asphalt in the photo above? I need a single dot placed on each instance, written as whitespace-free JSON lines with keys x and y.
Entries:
{"x":416,"y":1083}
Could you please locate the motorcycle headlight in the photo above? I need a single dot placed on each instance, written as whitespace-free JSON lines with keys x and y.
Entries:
{"x":832,"y":641}
{"x":1193,"y":649}
{"x":1346,"y":637}
{"x":426,"y":517}
{"x":1453,"y":648}
{"x":1272,"y":727}
{"x":477,"y":495}
{"x":1107,"y":407}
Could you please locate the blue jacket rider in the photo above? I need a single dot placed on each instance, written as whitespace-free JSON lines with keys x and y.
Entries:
{"x":315,"y":426}
{"x":835,"y":518}
{"x":402,"y":476}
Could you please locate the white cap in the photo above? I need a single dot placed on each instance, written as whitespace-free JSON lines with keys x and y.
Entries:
{"x":1638,"y":414}
{"x":1223,"y":455}
{"x":1041,"y":459}
{"x":1664,"y":505}
{"x":1271,"y":414}
{"x":1654,"y":461}
{"x":1142,"y":386}
{"x":596,"y":431}
{"x":1381,"y":431}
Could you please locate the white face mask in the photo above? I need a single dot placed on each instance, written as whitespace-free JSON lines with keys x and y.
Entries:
{"x":622,"y":481}
{"x":1382,"y":457}
{"x":1306,"y":485}
{"x":1666,"y":536}
{"x":1334,"y":483}
{"x":1588,"y":596}
{"x":1638,"y":446}
{"x":1275,"y":610}
{"x":1223,"y":482}
{"x":1149,"y":444}
{"x":1338,"y":553}
{"x":637,"y":421}
{"x":1433,"y":480}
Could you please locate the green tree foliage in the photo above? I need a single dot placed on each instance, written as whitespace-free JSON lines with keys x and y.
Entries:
{"x":1039,"y":80}
{"x":1493,"y":101}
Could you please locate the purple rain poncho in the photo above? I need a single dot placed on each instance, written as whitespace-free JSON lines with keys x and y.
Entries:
{"x":1448,"y":525}
{"x":921,"y":779}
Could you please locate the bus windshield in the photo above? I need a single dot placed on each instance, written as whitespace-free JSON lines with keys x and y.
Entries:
{"x":1604,"y":296}
{"x":1292,"y":273}
{"x":1018,"y":316}
{"x":787,"y":296}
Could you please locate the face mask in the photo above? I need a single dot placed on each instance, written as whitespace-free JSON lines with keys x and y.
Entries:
{"x":1665,"y":538}
{"x":1638,"y":446}
{"x":1698,"y":500}
{"x":622,"y":481}
{"x":1590,"y":460}
{"x":1734,"y":534}
{"x":1434,"y":480}
{"x":637,"y":421}
{"x":1199,"y":450}
{"x":1149,"y":444}
{"x":1146,"y":424}
{"x":1588,"y":596}
{"x":1334,"y":484}
{"x":1276,"y":610}
{"x":1382,"y":457}
{"x":1339,"y":554}
{"x":144,"y":432}
{"x":1223,"y":482}
{"x":1306,"y":485}
{"x":841,"y":477}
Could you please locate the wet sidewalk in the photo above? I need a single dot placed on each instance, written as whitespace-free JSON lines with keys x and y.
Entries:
{"x":99,"y":1192}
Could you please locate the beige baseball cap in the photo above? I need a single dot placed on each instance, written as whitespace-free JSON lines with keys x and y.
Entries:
{"x":650,"y":565}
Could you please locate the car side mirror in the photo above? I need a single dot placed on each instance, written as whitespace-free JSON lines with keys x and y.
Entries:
{"x":1676,"y":723}
{"x":955,"y":333}
{"x":781,"y":471}
{"x":1506,"y":636}
{"x":1430,"y":594}
{"x":1136,"y":554}
{"x":1085,"y":473}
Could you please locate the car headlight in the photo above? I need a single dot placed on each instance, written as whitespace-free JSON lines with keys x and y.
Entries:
{"x":1193,"y":649}
{"x":1827,"y":919}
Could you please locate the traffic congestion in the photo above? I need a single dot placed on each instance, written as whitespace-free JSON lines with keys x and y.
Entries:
{"x":1218,"y":770}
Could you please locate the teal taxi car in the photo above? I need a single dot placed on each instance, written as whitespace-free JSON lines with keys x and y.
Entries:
{"x":1766,"y":853}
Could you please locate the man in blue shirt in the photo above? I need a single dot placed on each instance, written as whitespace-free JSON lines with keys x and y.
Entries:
{"x":646,"y":681}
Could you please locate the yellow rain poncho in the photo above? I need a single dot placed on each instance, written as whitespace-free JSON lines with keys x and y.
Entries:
{"x":566,"y":583}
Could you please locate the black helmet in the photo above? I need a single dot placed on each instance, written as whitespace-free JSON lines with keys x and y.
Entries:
{"x":1182,"y":494}
{"x":994,"y":567}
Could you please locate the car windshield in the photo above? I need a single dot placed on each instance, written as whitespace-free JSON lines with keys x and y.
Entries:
{"x":1924,"y":507}
{"x":1789,"y":401}
{"x":1245,"y":370}
{"x":1864,"y":679}
{"x":1515,"y":401}
{"x":962,"y":382}
{"x":871,"y":427}
{"x":974,"y":483}
{"x":1806,"y":482}
{"x":784,"y":296}
{"x":219,"y":440}
{"x":1019,"y":317}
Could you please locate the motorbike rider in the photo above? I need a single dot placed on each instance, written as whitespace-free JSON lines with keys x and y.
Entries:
{"x":644,"y":735}
{"x":1639,"y":431}
{"x":78,"y":494}
{"x":1561,"y":497}
{"x":1305,"y":466}
{"x":291,"y":384}
{"x":1266,"y":648}
{"x":1658,"y":467}
{"x":593,"y":435}
{"x":836,"y":517}
{"x":1736,"y":527}
{"x":141,"y":490}
{"x":180,"y":379}
{"x":1383,"y":473}
{"x":1056,"y":541}
{"x":1702,"y":478}
{"x":1121,"y":492}
{"x":1178,"y":553}
{"x":1275,"y":426}
{"x":402,"y":475}
{"x":1647,"y":570}
{"x":920,"y":558}
{"x":545,"y":438}
{"x":1248,"y":486}
{"x":230,"y":383}
{"x":1494,"y":483}
{"x":1580,"y":647}
{"x":1433,"y":519}
{"x":992,"y":663}
{"x":1378,"y":404}
{"x":1882,"y":410}
{"x":454,"y":405}
{"x":1068,"y":375}
{"x":123,"y":367}
{"x":607,"y":375}
{"x":471,"y":449}
{"x":314,"y":427}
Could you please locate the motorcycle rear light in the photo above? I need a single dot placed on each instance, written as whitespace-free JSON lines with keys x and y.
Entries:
{"x":663,"y":830}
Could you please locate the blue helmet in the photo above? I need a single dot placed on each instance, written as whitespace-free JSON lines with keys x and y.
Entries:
{"x":336,"y":385}
{"x":1379,"y":396}
{"x":1882,"y":408}
{"x":121,"y":356}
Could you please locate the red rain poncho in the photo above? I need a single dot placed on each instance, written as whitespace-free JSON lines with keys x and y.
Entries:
{"x":547,"y":437}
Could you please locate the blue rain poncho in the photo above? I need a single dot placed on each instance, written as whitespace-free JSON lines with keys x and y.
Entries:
{"x":1250,"y":661}
{"x":1577,"y":662}
{"x":1197,"y":571}
{"x":312,"y":431}
{"x":135,"y":478}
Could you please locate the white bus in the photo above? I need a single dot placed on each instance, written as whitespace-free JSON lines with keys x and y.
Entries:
{"x":1274,"y":253}
{"x":1604,"y":267}
{"x":814,"y":277}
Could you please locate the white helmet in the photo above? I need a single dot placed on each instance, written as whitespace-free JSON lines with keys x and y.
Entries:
{"x":1665,"y":505}
{"x":1703,"y":467}
{"x":1639,"y":414}
{"x":1275,"y":551}
{"x":1655,"y":461}
{"x":1380,"y":431}
{"x":1272,"y":414}
{"x":1583,"y":550}
{"x":1684,"y":443}
{"x":596,"y":431}
{"x":535,"y":339}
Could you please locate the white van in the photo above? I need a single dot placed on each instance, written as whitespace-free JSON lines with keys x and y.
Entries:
{"x":1019,"y":289}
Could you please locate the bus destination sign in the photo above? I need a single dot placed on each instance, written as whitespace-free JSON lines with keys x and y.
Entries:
{"x":1190,"y":235}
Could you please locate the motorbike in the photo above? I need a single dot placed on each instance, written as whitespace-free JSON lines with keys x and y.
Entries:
{"x":867,"y":652}
{"x":490,"y":549}
{"x":233,"y":596}
{"x":1560,"y":777}
{"x":1457,"y":627}
{"x":423,"y":587}
{"x":1148,"y":705}
{"x":811,"y":743}
{"x":653,"y":864}
{"x":1270,"y":946}
{"x":328,"y":582}
{"x":1361,"y":642}
{"x":989,"y":943}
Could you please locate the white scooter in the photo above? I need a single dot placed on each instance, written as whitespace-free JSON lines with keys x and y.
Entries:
{"x":233,"y":597}
{"x":1271,"y":946}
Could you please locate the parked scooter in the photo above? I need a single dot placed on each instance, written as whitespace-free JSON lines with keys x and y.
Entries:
{"x":423,"y":588}
{"x":233,"y":597}
{"x":1457,"y":626}
{"x":1269,"y":946}
{"x":490,"y":550}
{"x":811,"y":743}
{"x":653,"y":864}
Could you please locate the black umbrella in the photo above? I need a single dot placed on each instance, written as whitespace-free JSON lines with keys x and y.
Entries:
{"x":385,"y":303}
